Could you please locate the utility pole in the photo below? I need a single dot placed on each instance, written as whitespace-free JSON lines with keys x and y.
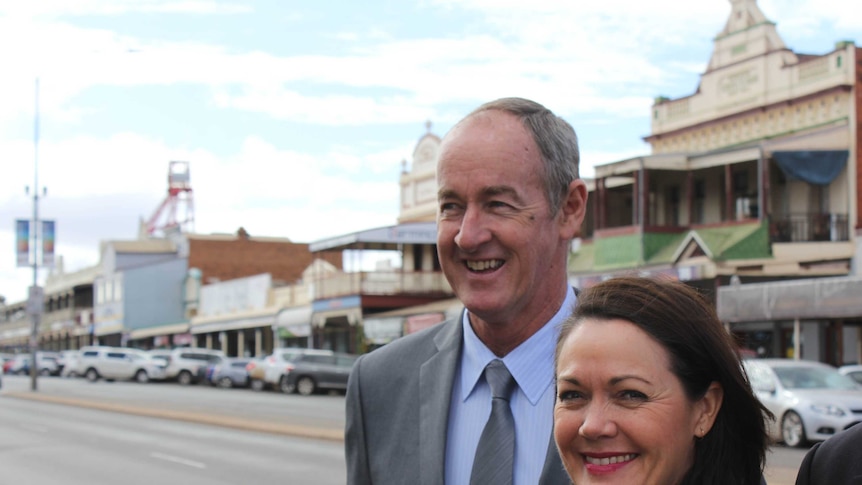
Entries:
{"x":36,"y":298}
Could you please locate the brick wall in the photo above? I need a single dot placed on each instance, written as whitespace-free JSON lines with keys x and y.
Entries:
{"x":227,"y":259}
{"x":857,"y":92}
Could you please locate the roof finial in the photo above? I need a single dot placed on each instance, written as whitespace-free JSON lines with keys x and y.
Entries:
{"x":428,"y":126}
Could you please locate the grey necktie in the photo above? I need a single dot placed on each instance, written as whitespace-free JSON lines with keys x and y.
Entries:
{"x":495,"y":456}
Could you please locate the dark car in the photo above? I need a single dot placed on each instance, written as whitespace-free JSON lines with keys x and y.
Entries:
{"x":310,"y":372}
{"x":230,"y":372}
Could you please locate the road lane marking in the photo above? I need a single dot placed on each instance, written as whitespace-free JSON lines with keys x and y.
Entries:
{"x":177,"y":459}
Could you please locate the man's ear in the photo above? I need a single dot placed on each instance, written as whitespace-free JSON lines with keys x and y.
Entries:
{"x":573,"y":210}
{"x":709,"y":406}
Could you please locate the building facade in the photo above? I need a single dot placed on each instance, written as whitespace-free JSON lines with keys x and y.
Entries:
{"x":360,"y":310}
{"x":146,"y":292}
{"x":752,"y":179}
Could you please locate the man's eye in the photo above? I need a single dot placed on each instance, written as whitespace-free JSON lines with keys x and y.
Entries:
{"x":498,"y":204}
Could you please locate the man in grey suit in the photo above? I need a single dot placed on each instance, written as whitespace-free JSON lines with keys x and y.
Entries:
{"x":510,"y":202}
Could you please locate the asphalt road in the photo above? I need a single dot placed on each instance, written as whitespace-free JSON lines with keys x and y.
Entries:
{"x":311,"y":418}
{"x":48,"y":444}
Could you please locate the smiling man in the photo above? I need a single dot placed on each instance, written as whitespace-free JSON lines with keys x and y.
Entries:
{"x":471,"y":400}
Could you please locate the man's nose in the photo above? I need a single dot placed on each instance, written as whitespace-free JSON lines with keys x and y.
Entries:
{"x":473,"y":231}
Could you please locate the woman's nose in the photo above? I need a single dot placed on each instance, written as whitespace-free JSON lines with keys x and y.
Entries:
{"x":598,"y":423}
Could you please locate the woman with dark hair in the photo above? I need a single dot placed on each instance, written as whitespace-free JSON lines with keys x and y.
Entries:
{"x":650,"y":390}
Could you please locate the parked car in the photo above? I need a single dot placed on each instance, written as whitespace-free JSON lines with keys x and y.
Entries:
{"x":6,"y":362}
{"x":67,"y":363}
{"x":19,"y":365}
{"x":46,"y":364}
{"x":205,"y":371}
{"x":184,"y":364}
{"x":310,"y":371}
{"x":854,"y":371}
{"x":230,"y":372}
{"x":811,"y":401}
{"x":116,"y":363}
{"x":256,"y":370}
{"x":274,"y":364}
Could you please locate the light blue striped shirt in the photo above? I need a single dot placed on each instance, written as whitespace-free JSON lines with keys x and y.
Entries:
{"x":532,"y":366}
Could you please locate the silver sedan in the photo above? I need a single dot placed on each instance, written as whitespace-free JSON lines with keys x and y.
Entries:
{"x":811,"y":401}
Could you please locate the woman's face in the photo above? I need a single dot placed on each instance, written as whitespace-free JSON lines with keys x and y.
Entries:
{"x":621,"y":415}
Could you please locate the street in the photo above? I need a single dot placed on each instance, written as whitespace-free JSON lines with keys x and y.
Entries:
{"x":73,"y":431}
{"x":46,"y":444}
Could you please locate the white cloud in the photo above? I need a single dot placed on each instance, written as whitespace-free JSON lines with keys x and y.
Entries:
{"x":57,"y":8}
{"x":597,"y":62}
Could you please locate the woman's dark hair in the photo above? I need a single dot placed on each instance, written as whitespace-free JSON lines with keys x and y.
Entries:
{"x":701,"y":351}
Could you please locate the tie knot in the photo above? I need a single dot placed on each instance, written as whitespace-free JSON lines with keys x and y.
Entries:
{"x":499,"y":379}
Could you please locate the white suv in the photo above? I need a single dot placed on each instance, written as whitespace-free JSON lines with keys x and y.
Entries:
{"x":184,"y":363}
{"x":281,"y":362}
{"x":116,"y":363}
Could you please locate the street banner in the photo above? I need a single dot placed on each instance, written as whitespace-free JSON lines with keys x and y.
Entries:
{"x":22,"y":242}
{"x":48,"y":235}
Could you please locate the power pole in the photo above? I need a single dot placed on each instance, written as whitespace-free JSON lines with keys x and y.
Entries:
{"x":35,"y":300}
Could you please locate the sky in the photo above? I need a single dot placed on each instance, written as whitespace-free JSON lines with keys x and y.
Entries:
{"x":295,"y":116}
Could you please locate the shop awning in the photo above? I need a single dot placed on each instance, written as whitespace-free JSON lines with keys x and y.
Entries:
{"x":237,"y":323}
{"x":389,"y":237}
{"x":289,"y":317}
{"x":158,"y":330}
{"x":818,"y":167}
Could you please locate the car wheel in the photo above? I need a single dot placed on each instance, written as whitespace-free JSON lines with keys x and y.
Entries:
{"x":142,"y":377}
{"x":185,"y":378}
{"x":44,"y":372}
{"x":286,"y":386}
{"x":793,"y":430}
{"x":92,"y":375}
{"x":225,"y":383}
{"x":257,"y":385}
{"x":306,"y":386}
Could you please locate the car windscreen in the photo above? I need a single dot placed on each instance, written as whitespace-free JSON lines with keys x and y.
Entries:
{"x":290,"y":356}
{"x":813,"y":378}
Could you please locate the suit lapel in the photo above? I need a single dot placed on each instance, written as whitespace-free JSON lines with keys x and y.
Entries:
{"x":436,"y":377}
{"x":553,"y":472}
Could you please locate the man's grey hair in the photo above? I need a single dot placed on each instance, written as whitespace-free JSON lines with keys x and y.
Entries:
{"x":555,"y":138}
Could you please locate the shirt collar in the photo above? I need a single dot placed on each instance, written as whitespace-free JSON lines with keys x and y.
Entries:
{"x":531,"y":363}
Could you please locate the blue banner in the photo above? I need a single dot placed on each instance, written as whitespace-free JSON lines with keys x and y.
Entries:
{"x":22,"y":242}
{"x":48,"y":235}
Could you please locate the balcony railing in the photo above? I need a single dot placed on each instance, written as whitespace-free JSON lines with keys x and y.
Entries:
{"x":810,"y":227}
{"x":382,"y":283}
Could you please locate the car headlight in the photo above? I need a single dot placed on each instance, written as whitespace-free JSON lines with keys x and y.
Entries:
{"x":829,"y":409}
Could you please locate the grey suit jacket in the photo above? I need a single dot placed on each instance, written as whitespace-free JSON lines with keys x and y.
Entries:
{"x":398,"y":411}
{"x":836,"y":461}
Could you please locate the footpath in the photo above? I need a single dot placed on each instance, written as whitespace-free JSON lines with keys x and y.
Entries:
{"x":17,"y":387}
